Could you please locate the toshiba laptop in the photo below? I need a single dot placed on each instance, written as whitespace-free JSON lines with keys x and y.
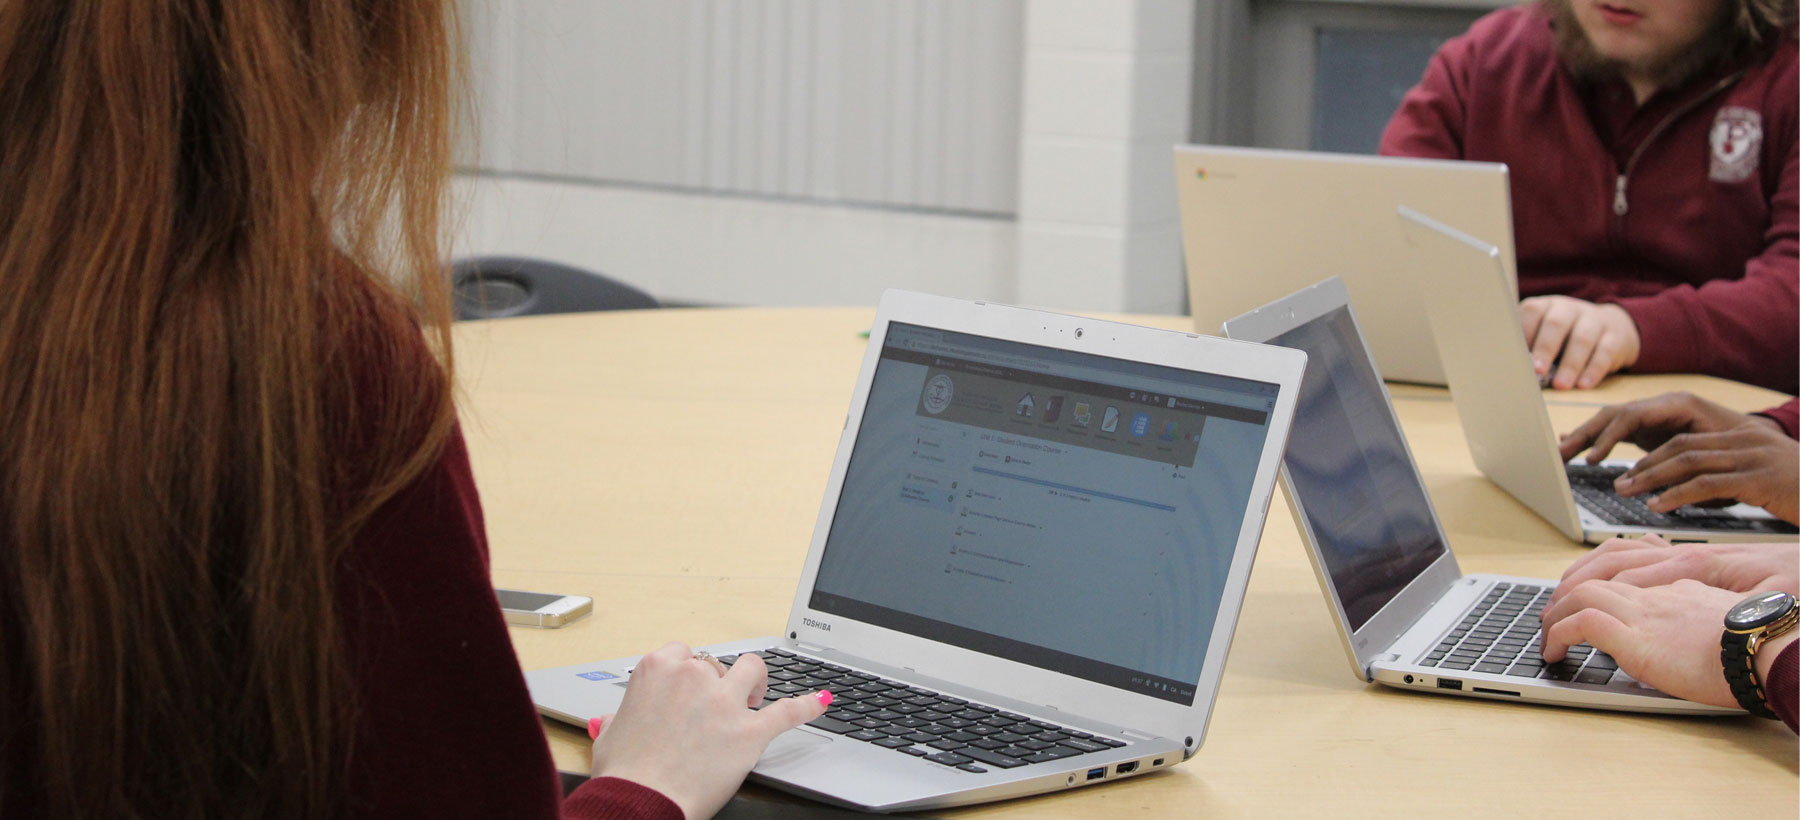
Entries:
{"x":1258,"y":224}
{"x":1408,"y":615}
{"x":1461,"y":284}
{"x":1028,"y":564}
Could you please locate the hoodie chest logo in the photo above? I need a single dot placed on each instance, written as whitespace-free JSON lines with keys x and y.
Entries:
{"x":1736,"y":140}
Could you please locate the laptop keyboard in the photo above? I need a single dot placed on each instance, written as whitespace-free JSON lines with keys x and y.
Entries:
{"x":1593,"y":486}
{"x":1501,"y":636}
{"x":918,"y":722}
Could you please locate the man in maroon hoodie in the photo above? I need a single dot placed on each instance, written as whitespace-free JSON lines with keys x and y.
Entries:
{"x":1652,"y":148}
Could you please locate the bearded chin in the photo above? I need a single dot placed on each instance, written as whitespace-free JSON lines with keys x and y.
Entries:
{"x":1589,"y":66}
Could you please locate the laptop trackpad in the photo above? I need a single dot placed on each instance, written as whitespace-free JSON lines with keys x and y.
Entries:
{"x":791,"y":746}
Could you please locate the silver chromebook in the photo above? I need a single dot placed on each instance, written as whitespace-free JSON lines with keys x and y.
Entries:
{"x":1028,"y":564}
{"x":1258,"y":224}
{"x":1408,"y":615}
{"x":1461,"y":282}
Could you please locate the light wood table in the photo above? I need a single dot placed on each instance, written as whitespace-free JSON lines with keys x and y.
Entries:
{"x":670,"y":464}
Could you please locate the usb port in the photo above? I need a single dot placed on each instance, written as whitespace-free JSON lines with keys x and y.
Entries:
{"x":1127,"y":768}
{"x":1096,"y":774}
{"x":1449,"y":683}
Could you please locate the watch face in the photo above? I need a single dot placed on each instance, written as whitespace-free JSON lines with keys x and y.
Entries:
{"x":1758,"y":610}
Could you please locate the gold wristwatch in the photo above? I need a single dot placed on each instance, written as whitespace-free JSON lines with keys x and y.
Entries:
{"x":1756,"y":619}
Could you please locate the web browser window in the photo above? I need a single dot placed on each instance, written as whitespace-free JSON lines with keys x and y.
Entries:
{"x":1065,"y":510}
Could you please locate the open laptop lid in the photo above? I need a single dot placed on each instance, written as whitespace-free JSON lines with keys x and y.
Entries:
{"x":1356,"y":493}
{"x":1474,"y":319}
{"x":1057,"y":509}
{"x":1258,"y":224}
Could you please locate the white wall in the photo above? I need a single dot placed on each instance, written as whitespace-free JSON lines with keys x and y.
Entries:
{"x":818,"y":151}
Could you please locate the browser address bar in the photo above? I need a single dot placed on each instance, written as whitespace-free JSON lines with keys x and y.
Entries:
{"x":1145,"y":383}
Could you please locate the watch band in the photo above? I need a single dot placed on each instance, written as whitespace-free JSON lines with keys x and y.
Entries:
{"x":1737,"y":653}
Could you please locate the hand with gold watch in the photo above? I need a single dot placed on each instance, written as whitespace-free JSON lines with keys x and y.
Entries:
{"x":1750,"y":627}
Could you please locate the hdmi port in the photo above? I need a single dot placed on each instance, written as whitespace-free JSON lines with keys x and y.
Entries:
{"x":1127,"y":768}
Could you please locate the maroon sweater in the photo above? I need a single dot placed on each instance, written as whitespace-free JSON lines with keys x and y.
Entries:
{"x":1672,"y":209}
{"x":447,"y":727}
{"x":1787,"y":415}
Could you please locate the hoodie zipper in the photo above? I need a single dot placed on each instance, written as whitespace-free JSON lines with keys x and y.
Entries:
{"x":1620,"y":205}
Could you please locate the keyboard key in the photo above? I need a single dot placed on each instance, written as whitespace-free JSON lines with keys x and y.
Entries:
{"x":1049,"y":737}
{"x":983,"y":709}
{"x":1491,"y":668}
{"x":867,"y":735}
{"x":869,"y":723}
{"x":994,"y":758}
{"x":947,"y":745}
{"x":1595,"y":676}
{"x":970,"y":767}
{"x":952,"y":701}
{"x":893,"y":742}
{"x":1518,"y":671}
{"x":947,"y":758}
{"x":921,"y":737}
{"x":1601,"y":660}
{"x":1116,"y":744}
{"x":1007,"y":737}
{"x":983,"y":731}
{"x":986,"y":743}
{"x":912,"y":750}
{"x":961,"y":737}
{"x":1035,"y":745}
{"x":1559,"y":671}
{"x":1456,"y":664}
{"x":833,"y":725}
{"x":1083,"y":745}
{"x":895,"y":731}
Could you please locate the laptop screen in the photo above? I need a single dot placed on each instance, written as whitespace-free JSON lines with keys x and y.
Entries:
{"x":1073,"y":512}
{"x":1349,"y":469}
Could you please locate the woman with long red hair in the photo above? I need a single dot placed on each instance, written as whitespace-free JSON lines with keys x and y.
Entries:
{"x":242,"y":564}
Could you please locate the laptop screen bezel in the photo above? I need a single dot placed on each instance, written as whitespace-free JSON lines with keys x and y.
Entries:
{"x":1019,"y":681}
{"x":1365,"y":645}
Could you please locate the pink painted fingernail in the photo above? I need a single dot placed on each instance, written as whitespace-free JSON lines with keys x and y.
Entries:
{"x":824,"y":697}
{"x":594,"y":725}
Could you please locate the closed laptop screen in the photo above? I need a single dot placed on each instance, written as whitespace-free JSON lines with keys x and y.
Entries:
{"x":1068,"y":511}
{"x":1351,"y":473}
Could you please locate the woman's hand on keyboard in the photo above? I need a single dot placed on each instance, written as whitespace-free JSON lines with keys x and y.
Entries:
{"x":1651,"y":561}
{"x":1665,"y":636}
{"x":686,"y":731}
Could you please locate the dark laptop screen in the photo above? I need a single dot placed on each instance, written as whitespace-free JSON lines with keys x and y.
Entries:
{"x":1069,"y":511}
{"x":1351,"y":474}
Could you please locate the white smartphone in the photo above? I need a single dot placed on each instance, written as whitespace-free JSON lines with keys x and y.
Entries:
{"x":542,"y":609}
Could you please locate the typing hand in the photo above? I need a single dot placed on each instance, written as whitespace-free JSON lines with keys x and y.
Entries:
{"x":1665,"y":636}
{"x":1650,"y":562}
{"x":1648,"y":423}
{"x":1593,"y":340}
{"x":686,"y":731}
{"x":1754,"y":463}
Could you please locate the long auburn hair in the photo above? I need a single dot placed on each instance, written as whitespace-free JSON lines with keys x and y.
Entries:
{"x":219,"y":243}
